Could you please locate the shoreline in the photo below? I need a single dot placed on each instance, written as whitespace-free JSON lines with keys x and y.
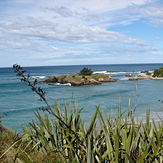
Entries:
{"x":132,"y":78}
{"x":144,"y":78}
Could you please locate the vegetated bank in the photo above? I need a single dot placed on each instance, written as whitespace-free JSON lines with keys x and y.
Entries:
{"x":7,"y":138}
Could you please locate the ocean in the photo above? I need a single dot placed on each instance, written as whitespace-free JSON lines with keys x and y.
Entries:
{"x":18,"y":102}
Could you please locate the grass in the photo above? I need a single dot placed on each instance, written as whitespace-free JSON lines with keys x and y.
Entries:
{"x":9,"y":148}
{"x":7,"y":138}
{"x":96,"y":76}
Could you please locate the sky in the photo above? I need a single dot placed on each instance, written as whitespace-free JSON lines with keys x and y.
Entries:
{"x":80,"y":32}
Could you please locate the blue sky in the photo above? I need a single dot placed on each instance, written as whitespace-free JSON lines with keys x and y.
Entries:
{"x":72,"y":32}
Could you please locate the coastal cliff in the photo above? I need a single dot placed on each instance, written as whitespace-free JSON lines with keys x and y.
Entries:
{"x":79,"y":80}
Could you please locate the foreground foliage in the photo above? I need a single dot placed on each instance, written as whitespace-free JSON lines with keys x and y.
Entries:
{"x":114,"y":140}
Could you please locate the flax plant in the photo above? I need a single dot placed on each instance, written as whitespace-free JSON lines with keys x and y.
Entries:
{"x":121,"y":139}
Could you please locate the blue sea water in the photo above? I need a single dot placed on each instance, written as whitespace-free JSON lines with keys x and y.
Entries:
{"x":18,"y":102}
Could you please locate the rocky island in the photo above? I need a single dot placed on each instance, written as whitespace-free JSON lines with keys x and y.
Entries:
{"x":79,"y":80}
{"x":84,"y":77}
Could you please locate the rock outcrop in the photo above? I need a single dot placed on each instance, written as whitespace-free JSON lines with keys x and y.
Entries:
{"x":147,"y":76}
{"x":79,"y":80}
{"x":139,"y":78}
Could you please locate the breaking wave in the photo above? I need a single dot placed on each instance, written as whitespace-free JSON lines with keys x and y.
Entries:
{"x":120,"y":72}
{"x":99,"y":72}
{"x":59,"y":84}
{"x":38,"y":77}
{"x":157,"y":116}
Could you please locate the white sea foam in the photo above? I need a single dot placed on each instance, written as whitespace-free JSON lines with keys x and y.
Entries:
{"x":142,"y":74}
{"x":124,"y":78}
{"x":38,"y":77}
{"x":59,"y":84}
{"x":157,"y":116}
{"x":158,"y":78}
{"x":99,"y":72}
{"x":119,"y":72}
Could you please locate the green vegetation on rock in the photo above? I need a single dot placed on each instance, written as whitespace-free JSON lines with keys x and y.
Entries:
{"x":96,"y":76}
{"x":85,"y":71}
{"x":158,"y":72}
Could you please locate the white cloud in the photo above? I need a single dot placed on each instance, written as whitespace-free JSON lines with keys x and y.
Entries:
{"x":157,"y":39}
{"x":39,"y":30}
{"x":68,"y":28}
{"x":152,"y":14}
{"x":70,"y":12}
{"x":118,"y":49}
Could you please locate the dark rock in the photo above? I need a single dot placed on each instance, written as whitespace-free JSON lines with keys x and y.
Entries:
{"x":144,"y":71}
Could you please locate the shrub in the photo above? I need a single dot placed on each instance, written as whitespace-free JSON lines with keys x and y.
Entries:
{"x":85,"y":71}
{"x":158,"y":72}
